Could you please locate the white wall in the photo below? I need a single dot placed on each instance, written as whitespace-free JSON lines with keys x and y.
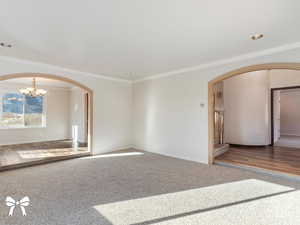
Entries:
{"x":290,"y":112}
{"x":284,"y":78}
{"x":57,"y":119}
{"x":77,"y":114}
{"x":247,"y":102}
{"x":112,"y":102}
{"x":168,"y":117}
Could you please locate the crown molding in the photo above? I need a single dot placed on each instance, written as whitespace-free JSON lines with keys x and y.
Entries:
{"x":62,"y":69}
{"x":17,"y":85}
{"x":203,"y":66}
{"x":243,"y":57}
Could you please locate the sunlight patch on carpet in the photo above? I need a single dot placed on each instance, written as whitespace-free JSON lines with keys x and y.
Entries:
{"x":119,"y":154}
{"x":48,"y":153}
{"x":196,"y":206}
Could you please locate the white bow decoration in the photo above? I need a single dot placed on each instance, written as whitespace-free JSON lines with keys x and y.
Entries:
{"x":10,"y":202}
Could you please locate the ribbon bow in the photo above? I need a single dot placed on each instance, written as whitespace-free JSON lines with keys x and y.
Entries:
{"x":10,"y":202}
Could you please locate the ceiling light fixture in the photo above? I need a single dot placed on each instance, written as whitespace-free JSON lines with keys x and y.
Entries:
{"x":33,"y":91}
{"x":257,"y":36}
{"x":4,"y":45}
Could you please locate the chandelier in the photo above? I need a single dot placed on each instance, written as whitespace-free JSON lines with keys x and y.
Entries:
{"x":33,"y":91}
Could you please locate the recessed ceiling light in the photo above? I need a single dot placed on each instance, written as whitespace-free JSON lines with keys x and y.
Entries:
{"x":5,"y":45}
{"x":257,"y":36}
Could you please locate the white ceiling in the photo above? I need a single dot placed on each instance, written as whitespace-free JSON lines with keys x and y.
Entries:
{"x":138,"y":38}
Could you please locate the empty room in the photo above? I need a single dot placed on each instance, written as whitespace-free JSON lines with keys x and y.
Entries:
{"x":149,"y":112}
{"x":257,"y":120}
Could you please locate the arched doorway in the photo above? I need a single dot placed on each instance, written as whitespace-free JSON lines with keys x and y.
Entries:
{"x":88,"y":110}
{"x":240,"y":71}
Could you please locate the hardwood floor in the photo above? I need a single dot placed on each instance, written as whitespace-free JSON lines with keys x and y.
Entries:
{"x":25,"y":154}
{"x":280,"y":159}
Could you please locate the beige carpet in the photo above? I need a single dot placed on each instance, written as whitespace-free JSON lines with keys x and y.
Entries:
{"x":135,"y":189}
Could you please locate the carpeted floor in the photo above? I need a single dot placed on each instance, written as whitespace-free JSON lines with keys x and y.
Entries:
{"x":143,"y":188}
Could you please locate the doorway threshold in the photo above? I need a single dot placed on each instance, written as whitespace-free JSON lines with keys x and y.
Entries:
{"x":255,"y":169}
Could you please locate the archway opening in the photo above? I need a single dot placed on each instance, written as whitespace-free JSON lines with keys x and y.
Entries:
{"x":43,"y":118}
{"x":243,"y":110}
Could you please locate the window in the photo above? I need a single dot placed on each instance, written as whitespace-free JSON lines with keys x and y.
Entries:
{"x":22,"y":111}
{"x":12,"y":110}
{"x":33,"y":111}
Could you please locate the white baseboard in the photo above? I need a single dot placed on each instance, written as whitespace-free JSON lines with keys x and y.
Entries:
{"x":169,"y":155}
{"x":108,"y":150}
{"x":289,"y":134}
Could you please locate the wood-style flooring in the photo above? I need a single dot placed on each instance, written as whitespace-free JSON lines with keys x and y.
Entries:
{"x":25,"y":154}
{"x":278,"y":159}
{"x":288,"y":141}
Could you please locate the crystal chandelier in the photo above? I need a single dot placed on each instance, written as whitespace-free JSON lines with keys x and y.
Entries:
{"x":33,"y":91}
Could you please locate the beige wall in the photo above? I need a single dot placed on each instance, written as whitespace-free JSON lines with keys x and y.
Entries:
{"x":284,"y":78}
{"x":78,"y":114}
{"x":168,"y":117}
{"x":246,"y":100}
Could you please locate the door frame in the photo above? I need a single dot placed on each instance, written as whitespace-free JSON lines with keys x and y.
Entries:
{"x":240,"y":71}
{"x":272,"y":107}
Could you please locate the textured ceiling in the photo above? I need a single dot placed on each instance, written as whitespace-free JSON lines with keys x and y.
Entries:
{"x":137,"y":38}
